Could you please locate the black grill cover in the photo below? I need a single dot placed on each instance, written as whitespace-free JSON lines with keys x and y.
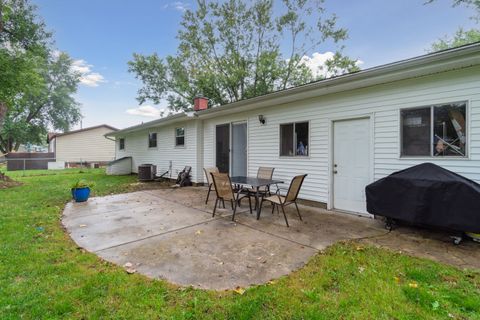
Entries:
{"x":427,"y":195}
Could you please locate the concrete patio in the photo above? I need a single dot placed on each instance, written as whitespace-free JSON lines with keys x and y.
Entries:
{"x":170,"y":234}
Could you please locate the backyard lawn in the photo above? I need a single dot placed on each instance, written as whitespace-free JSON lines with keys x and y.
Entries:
{"x":44,"y":275}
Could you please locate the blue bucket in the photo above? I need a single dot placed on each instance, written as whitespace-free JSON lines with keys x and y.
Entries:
{"x":80,"y":194}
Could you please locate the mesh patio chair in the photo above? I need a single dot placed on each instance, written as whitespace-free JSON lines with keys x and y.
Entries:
{"x":211,"y":187}
{"x":224,"y":191}
{"x":289,"y":198}
{"x":262,"y":173}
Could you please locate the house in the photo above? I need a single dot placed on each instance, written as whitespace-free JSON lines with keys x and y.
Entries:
{"x":344,"y":132}
{"x":87,"y":146}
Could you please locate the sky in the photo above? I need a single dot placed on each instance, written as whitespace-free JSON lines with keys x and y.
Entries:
{"x":101,"y":37}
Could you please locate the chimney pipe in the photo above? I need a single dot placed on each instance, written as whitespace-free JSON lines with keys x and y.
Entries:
{"x":200,"y":103}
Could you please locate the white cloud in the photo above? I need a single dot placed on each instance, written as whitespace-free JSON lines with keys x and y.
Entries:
{"x":87,"y":76}
{"x":177,"y":5}
{"x":316,"y":63}
{"x":145,"y":111}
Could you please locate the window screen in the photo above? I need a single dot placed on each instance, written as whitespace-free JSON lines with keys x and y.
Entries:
{"x":294,"y":139}
{"x":152,"y":140}
{"x":180,"y":136}
{"x":121,"y":144}
{"x":437,"y":131}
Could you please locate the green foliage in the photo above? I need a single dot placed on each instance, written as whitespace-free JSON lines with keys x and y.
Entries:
{"x":44,"y":275}
{"x":82,"y":183}
{"x":461,"y":37}
{"x":37,"y":82}
{"x":233,"y":50}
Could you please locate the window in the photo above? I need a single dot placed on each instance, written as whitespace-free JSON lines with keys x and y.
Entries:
{"x":152,"y":140}
{"x":121,"y":144}
{"x":294,"y":139}
{"x":437,"y":131}
{"x":179,"y":137}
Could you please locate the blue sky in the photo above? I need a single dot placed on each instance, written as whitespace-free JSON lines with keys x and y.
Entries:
{"x":102,"y":36}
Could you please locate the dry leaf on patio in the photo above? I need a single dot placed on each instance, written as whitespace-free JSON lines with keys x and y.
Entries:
{"x":83,"y":225}
{"x":239,"y":290}
{"x":198,"y":232}
{"x":128,"y":265}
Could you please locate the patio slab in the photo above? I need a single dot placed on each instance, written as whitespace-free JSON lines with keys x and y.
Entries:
{"x":170,"y":234}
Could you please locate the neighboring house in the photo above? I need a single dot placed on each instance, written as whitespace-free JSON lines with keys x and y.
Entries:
{"x":85,"y":146}
{"x":344,"y":132}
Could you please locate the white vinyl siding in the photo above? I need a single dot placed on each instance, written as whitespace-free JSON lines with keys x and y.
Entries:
{"x":86,"y":146}
{"x":136,"y":146}
{"x":382,"y":103}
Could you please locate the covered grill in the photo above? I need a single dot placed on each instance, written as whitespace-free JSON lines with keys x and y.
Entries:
{"x":427,"y":195}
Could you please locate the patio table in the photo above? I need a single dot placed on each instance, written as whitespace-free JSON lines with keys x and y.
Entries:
{"x":254,"y":183}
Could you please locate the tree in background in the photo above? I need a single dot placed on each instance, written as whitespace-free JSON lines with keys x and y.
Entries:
{"x":461,"y":36}
{"x":233,"y":50}
{"x":36,"y":83}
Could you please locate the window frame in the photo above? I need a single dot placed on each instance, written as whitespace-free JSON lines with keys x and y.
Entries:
{"x":120,"y":144}
{"x":294,"y":123}
{"x":156,"y":140}
{"x":432,"y":129}
{"x":184,"y":137}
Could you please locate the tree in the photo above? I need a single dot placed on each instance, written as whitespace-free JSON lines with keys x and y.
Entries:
{"x":23,"y":42}
{"x":461,"y":36}
{"x":52,"y":106}
{"x":233,"y":50}
{"x":36,"y":83}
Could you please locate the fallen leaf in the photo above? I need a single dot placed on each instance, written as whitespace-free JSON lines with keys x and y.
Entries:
{"x":413,"y":285}
{"x":128,"y":265}
{"x":198,"y":232}
{"x":397,"y":279}
{"x":361,"y":269}
{"x":239,"y":290}
{"x":271,"y":282}
{"x":360,"y":248}
{"x":83,"y":225}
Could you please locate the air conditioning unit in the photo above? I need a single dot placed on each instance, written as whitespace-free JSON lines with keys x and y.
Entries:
{"x":146,"y":172}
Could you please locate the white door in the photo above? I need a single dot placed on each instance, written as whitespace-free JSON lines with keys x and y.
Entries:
{"x":351,"y":164}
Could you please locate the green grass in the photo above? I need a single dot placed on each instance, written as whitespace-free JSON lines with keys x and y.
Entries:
{"x":43,"y":275}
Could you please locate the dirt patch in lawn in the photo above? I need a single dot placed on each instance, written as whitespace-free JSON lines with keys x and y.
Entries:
{"x":7,"y":182}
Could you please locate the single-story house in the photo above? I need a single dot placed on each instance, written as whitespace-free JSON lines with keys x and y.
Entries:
{"x":87,"y":146}
{"x":344,"y":132}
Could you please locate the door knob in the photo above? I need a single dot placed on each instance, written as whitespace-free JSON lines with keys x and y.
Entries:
{"x":335,"y":172}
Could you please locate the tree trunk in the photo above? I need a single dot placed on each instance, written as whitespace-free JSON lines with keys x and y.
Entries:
{"x":3,"y":113}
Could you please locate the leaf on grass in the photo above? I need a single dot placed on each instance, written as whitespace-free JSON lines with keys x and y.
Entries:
{"x":397,"y":279}
{"x":239,"y":290}
{"x":413,"y":285}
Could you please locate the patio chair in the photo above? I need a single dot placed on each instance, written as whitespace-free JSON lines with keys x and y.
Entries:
{"x":289,"y":198}
{"x":211,"y":187}
{"x":224,"y":191}
{"x":262,"y":173}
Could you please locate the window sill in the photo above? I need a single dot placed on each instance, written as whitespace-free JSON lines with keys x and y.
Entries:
{"x":180,"y":147}
{"x":445,"y":158}
{"x":294,"y":157}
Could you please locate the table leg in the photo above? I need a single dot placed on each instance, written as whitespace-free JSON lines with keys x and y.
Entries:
{"x":257,"y":201}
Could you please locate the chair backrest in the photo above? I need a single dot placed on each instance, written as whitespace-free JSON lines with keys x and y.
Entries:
{"x":265,"y":173}
{"x":223,"y":185}
{"x":294,"y":188}
{"x":187,"y":169}
{"x":208,"y":171}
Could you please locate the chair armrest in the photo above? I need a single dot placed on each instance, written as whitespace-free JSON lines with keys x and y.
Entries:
{"x":278,"y":191}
